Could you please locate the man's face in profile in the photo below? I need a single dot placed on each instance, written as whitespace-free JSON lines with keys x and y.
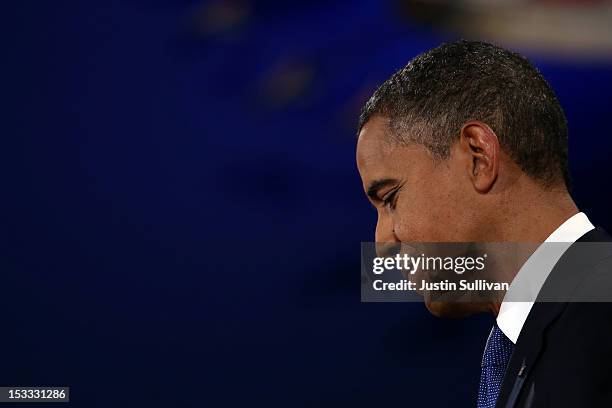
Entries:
{"x":418,"y":199}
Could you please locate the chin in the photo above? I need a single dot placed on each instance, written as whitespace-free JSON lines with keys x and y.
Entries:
{"x":452,"y":310}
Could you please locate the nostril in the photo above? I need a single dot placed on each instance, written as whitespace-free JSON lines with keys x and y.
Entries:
{"x":395,"y":236}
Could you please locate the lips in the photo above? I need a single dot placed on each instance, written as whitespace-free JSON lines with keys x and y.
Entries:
{"x":388,"y":249}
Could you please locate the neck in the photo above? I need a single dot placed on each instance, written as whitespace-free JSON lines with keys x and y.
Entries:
{"x":530,"y":215}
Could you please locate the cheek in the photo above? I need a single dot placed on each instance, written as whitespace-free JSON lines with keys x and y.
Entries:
{"x":427,"y":216}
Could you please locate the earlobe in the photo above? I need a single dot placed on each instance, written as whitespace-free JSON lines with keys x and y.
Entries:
{"x":482,"y":146}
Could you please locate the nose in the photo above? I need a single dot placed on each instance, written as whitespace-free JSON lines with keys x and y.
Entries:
{"x":387,"y":243}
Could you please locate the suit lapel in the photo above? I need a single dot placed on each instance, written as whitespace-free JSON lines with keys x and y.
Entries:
{"x":527,"y":350}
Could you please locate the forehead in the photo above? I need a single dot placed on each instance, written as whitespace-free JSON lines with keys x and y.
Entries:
{"x":378,"y":157}
{"x":373,"y":144}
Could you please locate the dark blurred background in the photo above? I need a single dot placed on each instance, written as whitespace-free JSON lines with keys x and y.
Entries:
{"x":183,"y":213}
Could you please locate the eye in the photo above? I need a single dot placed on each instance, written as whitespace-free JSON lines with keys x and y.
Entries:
{"x":390,"y":199}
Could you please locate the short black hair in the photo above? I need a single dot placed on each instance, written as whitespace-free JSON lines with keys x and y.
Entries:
{"x":429,"y":100}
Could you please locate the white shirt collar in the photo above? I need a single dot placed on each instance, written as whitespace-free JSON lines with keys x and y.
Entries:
{"x":529,"y":279}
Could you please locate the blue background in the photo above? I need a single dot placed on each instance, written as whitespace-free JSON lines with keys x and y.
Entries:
{"x":183,"y":213}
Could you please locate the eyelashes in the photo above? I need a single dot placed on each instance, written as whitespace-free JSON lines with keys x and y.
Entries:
{"x":389,"y":200}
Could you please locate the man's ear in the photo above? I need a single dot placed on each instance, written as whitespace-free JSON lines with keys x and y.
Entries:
{"x":482,"y":147}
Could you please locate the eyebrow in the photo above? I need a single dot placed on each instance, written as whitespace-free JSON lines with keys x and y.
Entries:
{"x":376,"y":185}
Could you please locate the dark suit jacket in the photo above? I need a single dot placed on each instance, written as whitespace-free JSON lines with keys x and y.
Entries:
{"x":563,"y":356}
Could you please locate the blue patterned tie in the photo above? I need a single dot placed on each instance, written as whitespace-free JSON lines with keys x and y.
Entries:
{"x":494,"y":362}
